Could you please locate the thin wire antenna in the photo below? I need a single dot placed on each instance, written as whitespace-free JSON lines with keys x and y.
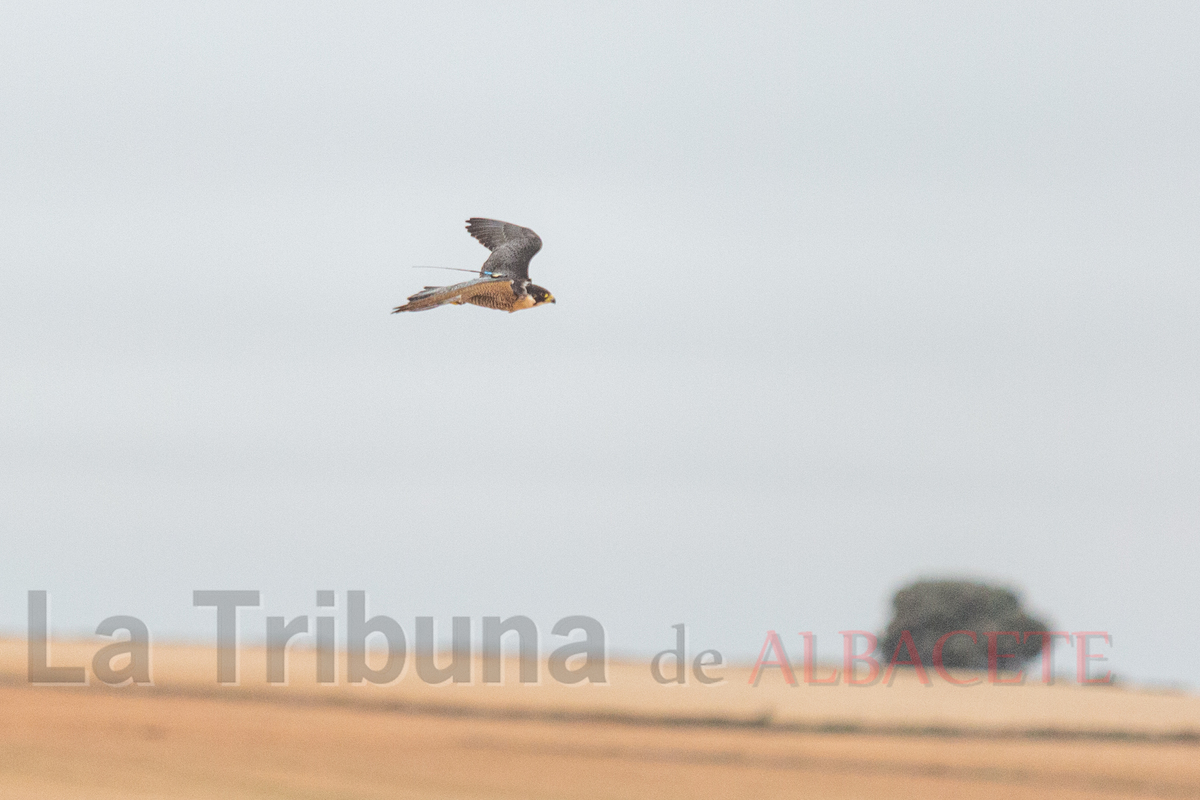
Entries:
{"x":456,"y":269}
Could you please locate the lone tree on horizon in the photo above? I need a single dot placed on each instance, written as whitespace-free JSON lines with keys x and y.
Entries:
{"x":931,"y":609}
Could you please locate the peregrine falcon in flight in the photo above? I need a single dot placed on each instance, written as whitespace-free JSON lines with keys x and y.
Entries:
{"x":503,"y":281}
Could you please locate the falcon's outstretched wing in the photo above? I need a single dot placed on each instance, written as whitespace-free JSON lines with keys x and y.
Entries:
{"x":488,"y":292}
{"x":512,"y":247}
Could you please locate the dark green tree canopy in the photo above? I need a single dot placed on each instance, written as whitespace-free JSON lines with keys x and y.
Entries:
{"x":931,"y":609}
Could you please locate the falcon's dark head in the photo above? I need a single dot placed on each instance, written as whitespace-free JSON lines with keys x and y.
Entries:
{"x":539,"y":295}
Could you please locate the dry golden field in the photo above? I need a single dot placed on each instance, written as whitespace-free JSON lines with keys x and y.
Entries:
{"x":187,"y":737}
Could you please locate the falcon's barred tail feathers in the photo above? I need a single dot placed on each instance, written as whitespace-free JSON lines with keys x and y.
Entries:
{"x":503,"y":281}
{"x":427,"y":298}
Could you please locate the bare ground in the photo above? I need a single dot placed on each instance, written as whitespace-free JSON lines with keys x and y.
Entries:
{"x":188,"y":738}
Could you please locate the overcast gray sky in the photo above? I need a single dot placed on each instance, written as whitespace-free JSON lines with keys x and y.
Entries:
{"x":847,"y":295}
